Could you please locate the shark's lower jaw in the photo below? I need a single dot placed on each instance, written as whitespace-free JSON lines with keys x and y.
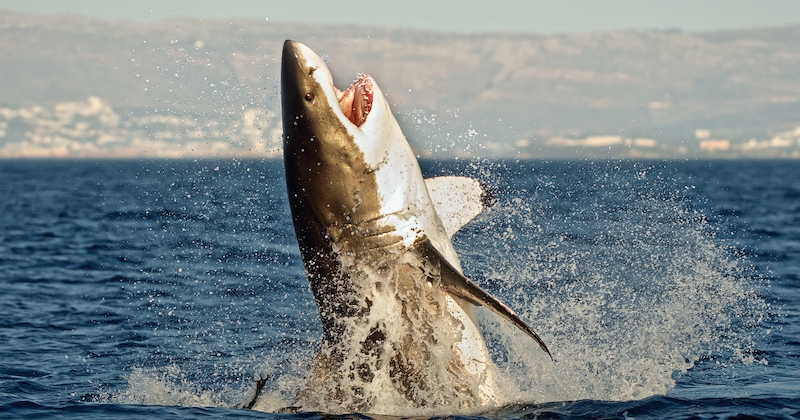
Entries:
{"x":356,"y":101}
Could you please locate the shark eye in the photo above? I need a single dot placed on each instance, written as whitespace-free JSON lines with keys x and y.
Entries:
{"x":309,"y":97}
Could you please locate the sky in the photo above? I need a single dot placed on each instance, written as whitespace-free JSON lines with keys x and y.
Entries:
{"x":465,"y":16}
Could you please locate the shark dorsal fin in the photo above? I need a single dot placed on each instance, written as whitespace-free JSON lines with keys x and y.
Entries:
{"x":459,"y":286}
{"x":457,"y":200}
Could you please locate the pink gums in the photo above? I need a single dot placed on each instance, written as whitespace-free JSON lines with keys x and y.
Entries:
{"x":356,"y":101}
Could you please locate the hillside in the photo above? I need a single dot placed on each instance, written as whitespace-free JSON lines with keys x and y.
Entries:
{"x":73,"y":86}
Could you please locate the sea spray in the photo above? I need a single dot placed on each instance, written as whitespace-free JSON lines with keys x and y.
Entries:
{"x":625,"y":280}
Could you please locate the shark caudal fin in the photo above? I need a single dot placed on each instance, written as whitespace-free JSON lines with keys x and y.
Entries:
{"x":457,"y":285}
{"x":458,"y":200}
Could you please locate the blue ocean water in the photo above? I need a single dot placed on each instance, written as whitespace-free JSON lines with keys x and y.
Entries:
{"x":142,"y":289}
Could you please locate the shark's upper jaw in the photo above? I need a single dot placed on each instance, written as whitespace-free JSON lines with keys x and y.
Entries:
{"x":331,"y":139}
{"x":352,"y":105}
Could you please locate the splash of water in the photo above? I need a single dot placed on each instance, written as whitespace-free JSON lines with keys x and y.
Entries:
{"x":626,"y":282}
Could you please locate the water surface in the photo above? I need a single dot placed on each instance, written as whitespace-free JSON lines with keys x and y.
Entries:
{"x":163,"y":288}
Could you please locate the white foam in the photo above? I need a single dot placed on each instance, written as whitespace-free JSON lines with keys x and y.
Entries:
{"x":625,"y":305}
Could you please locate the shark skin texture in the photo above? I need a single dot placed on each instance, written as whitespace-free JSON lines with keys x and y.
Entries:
{"x":399,"y":333}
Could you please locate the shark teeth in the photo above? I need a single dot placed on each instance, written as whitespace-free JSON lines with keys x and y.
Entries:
{"x":356,"y":101}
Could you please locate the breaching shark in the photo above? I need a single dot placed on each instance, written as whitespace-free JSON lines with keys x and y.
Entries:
{"x":396,"y":310}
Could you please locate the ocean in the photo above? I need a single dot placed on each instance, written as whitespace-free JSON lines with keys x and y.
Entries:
{"x":165,"y":288}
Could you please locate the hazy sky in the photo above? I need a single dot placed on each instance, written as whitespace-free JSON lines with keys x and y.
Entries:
{"x":538,"y":16}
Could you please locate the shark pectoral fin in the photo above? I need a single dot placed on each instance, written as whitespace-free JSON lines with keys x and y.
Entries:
{"x":458,"y":200}
{"x":458,"y":285}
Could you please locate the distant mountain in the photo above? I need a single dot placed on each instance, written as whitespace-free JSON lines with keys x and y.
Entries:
{"x":628,"y":93}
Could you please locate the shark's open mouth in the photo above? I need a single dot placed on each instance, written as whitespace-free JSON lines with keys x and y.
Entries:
{"x":356,"y":101}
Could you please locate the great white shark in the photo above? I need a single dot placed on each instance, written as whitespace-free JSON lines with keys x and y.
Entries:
{"x":396,"y":310}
